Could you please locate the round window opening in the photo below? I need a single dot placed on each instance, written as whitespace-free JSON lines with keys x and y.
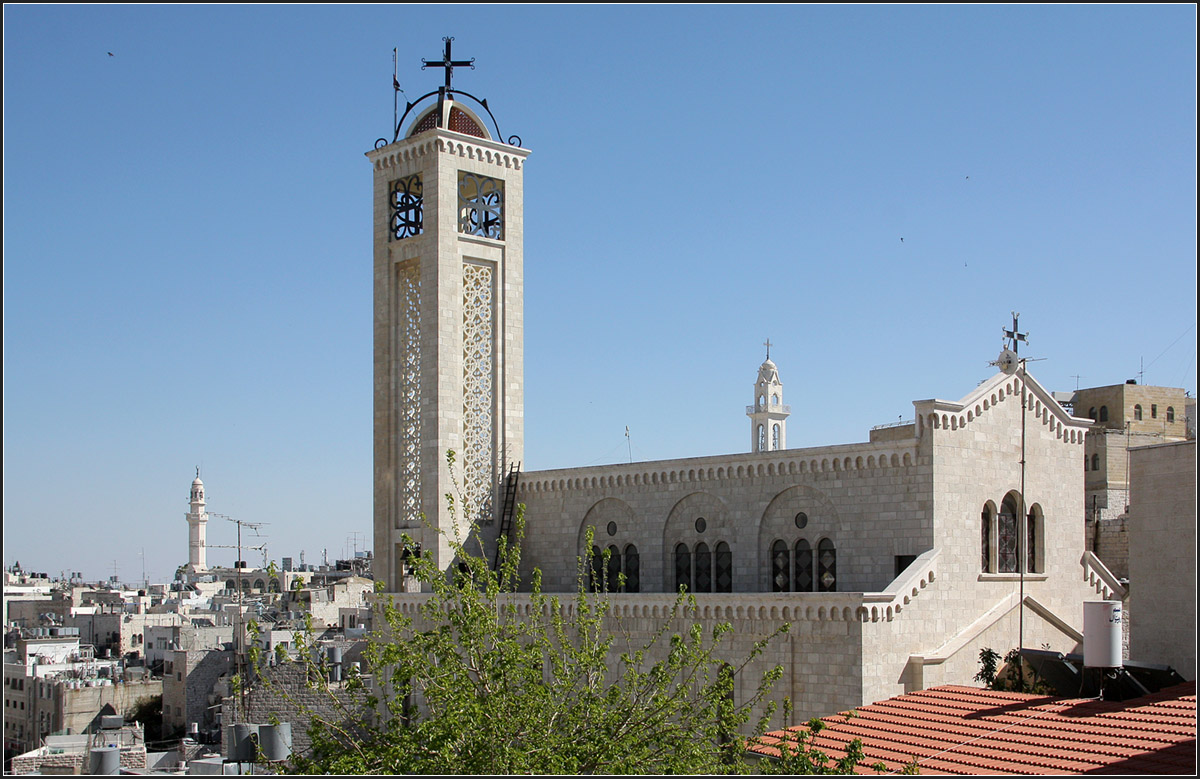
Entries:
{"x":700,"y":525}
{"x":612,"y":528}
{"x":801,"y":520}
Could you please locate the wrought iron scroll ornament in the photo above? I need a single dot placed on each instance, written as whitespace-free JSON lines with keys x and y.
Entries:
{"x":407,"y":207}
{"x":445,"y":93}
{"x":480,"y":206}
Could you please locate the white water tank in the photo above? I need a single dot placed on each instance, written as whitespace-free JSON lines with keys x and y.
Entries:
{"x":105,"y":761}
{"x":1102,"y":634}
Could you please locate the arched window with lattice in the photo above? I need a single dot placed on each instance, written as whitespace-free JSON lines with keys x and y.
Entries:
{"x":803,"y":571}
{"x":780,"y":563}
{"x":683,"y":567}
{"x":632,"y":563}
{"x":723,"y":565}
{"x":1007,"y":538}
{"x":703,"y":568}
{"x":826,"y":566}
{"x":612,"y":579}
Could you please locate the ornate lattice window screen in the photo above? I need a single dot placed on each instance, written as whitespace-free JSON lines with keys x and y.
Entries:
{"x":478,"y":397}
{"x":407,"y":202}
{"x":1031,"y":536}
{"x":480,"y":205}
{"x":683,"y":567}
{"x":779,"y":567}
{"x":633,"y":580}
{"x":408,"y":391}
{"x":827,"y":566}
{"x":985,"y":540}
{"x":804,"y":567}
{"x":723,"y":563}
{"x":703,"y":577}
{"x":1008,"y":539}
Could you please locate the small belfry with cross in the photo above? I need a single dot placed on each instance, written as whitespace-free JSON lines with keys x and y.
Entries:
{"x":449,"y":63}
{"x":1014,"y":337}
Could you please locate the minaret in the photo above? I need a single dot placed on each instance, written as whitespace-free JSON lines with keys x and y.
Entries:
{"x":768,"y":415}
{"x":197,"y":520}
{"x":448,"y":328}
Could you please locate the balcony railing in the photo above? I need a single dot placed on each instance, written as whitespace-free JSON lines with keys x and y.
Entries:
{"x":777,"y":408}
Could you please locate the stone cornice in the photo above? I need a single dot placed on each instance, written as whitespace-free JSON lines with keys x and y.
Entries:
{"x":447,"y":142}
{"x":957,"y":415}
{"x":830,"y":462}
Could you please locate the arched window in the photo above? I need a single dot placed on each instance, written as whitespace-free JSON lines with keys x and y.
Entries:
{"x":723,"y":563}
{"x":1007,"y":539}
{"x":762,"y":438}
{"x":633,"y":579}
{"x":230,"y":584}
{"x":1095,"y":462}
{"x":1033,"y":534}
{"x":985,"y":540}
{"x":775,"y":400}
{"x":596,"y":572}
{"x":683,"y":567}
{"x":803,"y":573}
{"x":703,"y":569}
{"x":1104,"y":413}
{"x":259,"y":584}
{"x":1137,"y":412}
{"x":1092,"y":413}
{"x":612,"y":581}
{"x":775,"y":437}
{"x":1154,"y":411}
{"x":1170,"y":413}
{"x":826,"y":566}
{"x":274,"y":585}
{"x":779,"y":567}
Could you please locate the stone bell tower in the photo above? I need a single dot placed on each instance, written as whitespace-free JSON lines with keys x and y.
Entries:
{"x":768,"y":415}
{"x":197,"y":520}
{"x":448,"y":329}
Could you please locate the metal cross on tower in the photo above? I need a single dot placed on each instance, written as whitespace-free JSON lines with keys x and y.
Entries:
{"x":1014,"y":337}
{"x":767,"y":344}
{"x":448,"y":63}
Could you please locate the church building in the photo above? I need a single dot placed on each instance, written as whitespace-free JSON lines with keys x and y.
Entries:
{"x":894,"y":560}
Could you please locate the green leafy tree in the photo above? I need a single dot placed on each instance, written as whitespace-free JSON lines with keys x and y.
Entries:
{"x":483,"y":680}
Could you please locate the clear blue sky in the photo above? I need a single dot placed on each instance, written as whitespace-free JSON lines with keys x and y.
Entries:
{"x":187,"y":257}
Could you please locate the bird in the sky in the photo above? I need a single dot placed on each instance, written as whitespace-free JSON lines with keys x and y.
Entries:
{"x":110,"y":54}
{"x":901,"y":240}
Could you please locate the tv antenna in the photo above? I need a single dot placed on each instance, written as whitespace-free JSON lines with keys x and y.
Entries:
{"x":240,"y":644}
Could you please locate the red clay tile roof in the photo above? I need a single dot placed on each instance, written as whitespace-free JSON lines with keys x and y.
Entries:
{"x":967,"y":730}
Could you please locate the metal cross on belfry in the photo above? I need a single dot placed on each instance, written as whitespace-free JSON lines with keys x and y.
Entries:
{"x":767,"y":344}
{"x":448,"y":63}
{"x":1014,"y":337}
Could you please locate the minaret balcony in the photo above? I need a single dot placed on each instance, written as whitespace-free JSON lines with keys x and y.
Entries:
{"x":770,"y":408}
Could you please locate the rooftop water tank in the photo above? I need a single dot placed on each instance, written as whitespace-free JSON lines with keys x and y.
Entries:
{"x":276,"y":741}
{"x":1102,"y":634}
{"x":105,"y":761}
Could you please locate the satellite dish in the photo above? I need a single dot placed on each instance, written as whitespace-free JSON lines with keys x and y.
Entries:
{"x":1008,"y":361}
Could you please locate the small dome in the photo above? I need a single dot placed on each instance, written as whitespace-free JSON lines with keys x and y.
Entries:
{"x":197,"y":482}
{"x":457,"y":118}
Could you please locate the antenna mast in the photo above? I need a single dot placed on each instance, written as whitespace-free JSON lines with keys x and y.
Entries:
{"x":240,"y":643}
